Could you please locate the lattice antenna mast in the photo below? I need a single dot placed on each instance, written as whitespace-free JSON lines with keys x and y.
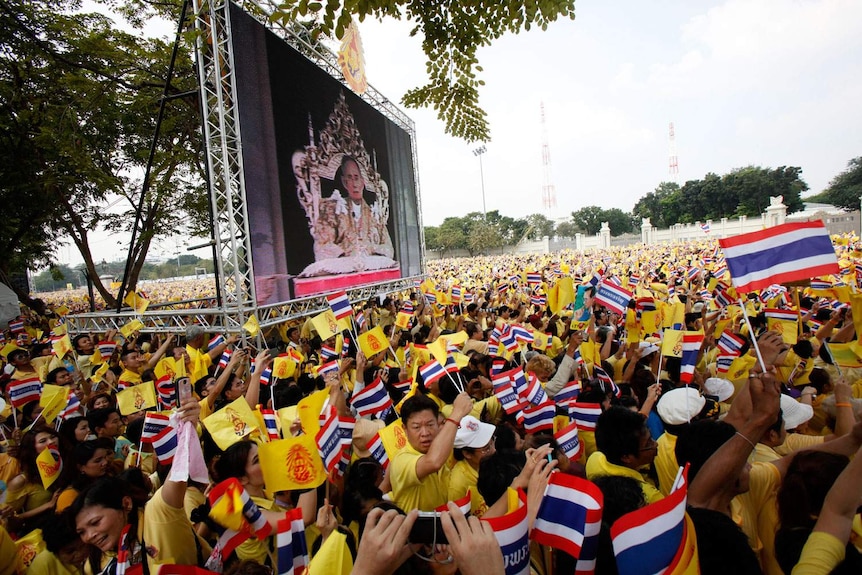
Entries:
{"x":549,"y":194}
{"x":673,"y":161}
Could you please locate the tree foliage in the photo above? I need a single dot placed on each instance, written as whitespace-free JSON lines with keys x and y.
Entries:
{"x":452,"y":33}
{"x":742,"y":192}
{"x":589,"y":220}
{"x":845,"y":189}
{"x":79,"y":101}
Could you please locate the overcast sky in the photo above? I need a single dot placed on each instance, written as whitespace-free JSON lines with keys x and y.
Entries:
{"x":745,"y":82}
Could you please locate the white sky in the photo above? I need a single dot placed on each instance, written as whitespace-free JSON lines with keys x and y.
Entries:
{"x":746,"y":82}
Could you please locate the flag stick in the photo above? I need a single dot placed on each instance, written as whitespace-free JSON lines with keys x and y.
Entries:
{"x":658,"y":373}
{"x":140,"y":446}
{"x":271,"y":394}
{"x":398,"y":361}
{"x":455,"y":383}
{"x":751,"y":333}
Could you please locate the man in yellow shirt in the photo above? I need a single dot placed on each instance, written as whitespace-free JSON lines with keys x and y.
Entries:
{"x":418,"y":473}
{"x":624,"y":447}
{"x":201,"y":359}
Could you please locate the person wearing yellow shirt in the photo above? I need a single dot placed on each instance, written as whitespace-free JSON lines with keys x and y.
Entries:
{"x":134,"y":363}
{"x":474,"y":441}
{"x":624,"y":447}
{"x":200,"y":359}
{"x":418,"y":472}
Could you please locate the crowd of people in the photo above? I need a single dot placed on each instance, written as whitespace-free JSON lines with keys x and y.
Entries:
{"x":506,"y":415}
{"x":177,"y":293}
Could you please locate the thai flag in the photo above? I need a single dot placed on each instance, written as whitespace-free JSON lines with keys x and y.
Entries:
{"x":270,"y":421}
{"x":692,"y":274}
{"x":721,"y":297}
{"x":106,"y":349}
{"x":634,"y":280}
{"x":585,"y":415}
{"x":730,"y":344}
{"x":533,"y":392}
{"x":539,"y":417}
{"x":122,"y":564}
{"x":339,"y":304}
{"x":236,"y":495}
{"x":167,"y":392}
{"x":579,"y":359}
{"x":691,"y":344}
{"x":821,"y":285}
{"x":377,"y":451}
{"x":521,"y":334}
{"x":407,"y":307}
{"x":781,"y":314}
{"x":359,"y":317}
{"x":505,"y":394}
{"x":719,"y":270}
{"x":266,"y":376}
{"x":73,"y":406}
{"x":512,"y":533}
{"x":228,"y":541}
{"x":568,"y":394}
{"x":372,"y":399}
{"x":468,"y":297}
{"x":540,"y":300}
{"x":613,"y":297}
{"x":17,"y":326}
{"x":431,"y":298}
{"x":463,"y":504}
{"x":24,"y":391}
{"x":534,"y":278}
{"x":514,"y":279}
{"x":722,"y":364}
{"x":165,"y":445}
{"x":569,"y":518}
{"x":456,"y":294}
{"x":331,"y":367}
{"x":154,"y":424}
{"x":225,"y":358}
{"x":346,"y":425}
{"x":329,"y":443}
{"x":291,"y":543}
{"x":658,"y":538}
{"x":781,"y":254}
{"x":508,"y":339}
{"x":327,"y":353}
{"x":431,"y":372}
{"x":643,"y":304}
{"x":567,"y":439}
{"x":402,"y":386}
{"x":616,"y":281}
{"x":607,"y":380}
{"x":705,"y":227}
{"x":771,"y":292}
{"x":215,"y":342}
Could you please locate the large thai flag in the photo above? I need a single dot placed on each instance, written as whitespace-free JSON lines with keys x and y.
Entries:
{"x":613,"y":297}
{"x":729,"y":343}
{"x":658,"y":538}
{"x":24,"y":391}
{"x":521,"y":334}
{"x":512,"y":533}
{"x":329,"y":367}
{"x":372,"y":399}
{"x":585,"y":414}
{"x":291,"y":543}
{"x":567,"y":439}
{"x":781,"y":254}
{"x":691,"y":343}
{"x":106,"y":349}
{"x":339,"y":304}
{"x":570,"y":518}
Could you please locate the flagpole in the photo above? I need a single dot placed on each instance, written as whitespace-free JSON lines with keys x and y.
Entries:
{"x":752,"y":335}
{"x":271,"y":394}
{"x":455,"y":383}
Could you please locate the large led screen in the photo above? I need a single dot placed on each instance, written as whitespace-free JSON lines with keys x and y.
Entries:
{"x":329,"y":180}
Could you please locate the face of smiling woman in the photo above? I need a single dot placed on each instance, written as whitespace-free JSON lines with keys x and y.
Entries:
{"x":101,"y":526}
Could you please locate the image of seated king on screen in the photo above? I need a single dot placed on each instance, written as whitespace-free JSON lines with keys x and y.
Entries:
{"x":345,"y":200}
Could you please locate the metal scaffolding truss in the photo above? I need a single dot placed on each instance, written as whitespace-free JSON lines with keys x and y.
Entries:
{"x":223,"y":144}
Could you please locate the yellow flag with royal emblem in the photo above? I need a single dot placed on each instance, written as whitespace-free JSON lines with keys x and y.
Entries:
{"x":231,"y":423}
{"x":325,"y":324}
{"x":29,"y":546}
{"x":308,"y":410}
{"x":131,"y":327}
{"x":373,"y":342}
{"x":671,"y":343}
{"x":283,"y":367}
{"x":251,"y":325}
{"x":50,"y":465}
{"x":53,"y":401}
{"x":136,"y":301}
{"x":394,"y":438}
{"x":291,"y":463}
{"x":137,"y":398}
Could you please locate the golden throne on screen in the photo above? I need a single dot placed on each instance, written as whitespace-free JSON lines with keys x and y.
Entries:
{"x":345,"y":200}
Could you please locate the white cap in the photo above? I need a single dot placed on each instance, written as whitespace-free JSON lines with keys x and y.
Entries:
{"x":719,"y":388}
{"x":680,"y":405}
{"x":794,"y":413}
{"x":648,"y":348}
{"x":473,"y":433}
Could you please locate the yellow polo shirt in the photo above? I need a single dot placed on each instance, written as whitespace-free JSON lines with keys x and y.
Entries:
{"x":408,"y":491}
{"x":598,"y":465}
{"x":462,"y":479}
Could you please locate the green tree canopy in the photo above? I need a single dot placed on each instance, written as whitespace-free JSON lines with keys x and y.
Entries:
{"x":845,"y":189}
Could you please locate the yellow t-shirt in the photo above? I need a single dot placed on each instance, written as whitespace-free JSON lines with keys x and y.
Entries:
{"x":9,"y":467}
{"x":821,"y":554}
{"x":798,"y":441}
{"x":199,"y":363}
{"x":746,"y":507}
{"x":463,"y":478}
{"x":170,"y":532}
{"x":598,"y":465}
{"x":666,"y":466}
{"x":408,"y":491}
{"x":130,"y":377}
{"x":10,"y":561}
{"x":588,"y":440}
{"x":47,"y":562}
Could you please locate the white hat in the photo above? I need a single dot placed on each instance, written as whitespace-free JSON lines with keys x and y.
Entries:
{"x":473,"y":433}
{"x":718,"y":387}
{"x":684,"y":405}
{"x":648,"y":348}
{"x":794,"y":413}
